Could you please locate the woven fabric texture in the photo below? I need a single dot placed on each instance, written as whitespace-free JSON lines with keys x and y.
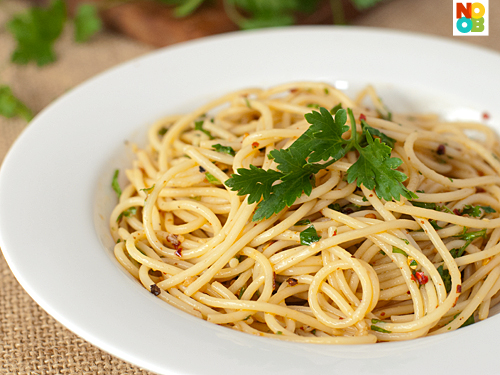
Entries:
{"x":31,"y":341}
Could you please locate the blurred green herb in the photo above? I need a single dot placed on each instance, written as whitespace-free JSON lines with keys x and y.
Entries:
{"x":87,"y":22}
{"x":35,"y":31}
{"x":10,"y":106}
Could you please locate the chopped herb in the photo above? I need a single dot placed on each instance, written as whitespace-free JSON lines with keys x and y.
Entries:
{"x":335,"y":207}
{"x":334,"y":110}
{"x":115,"y":185}
{"x":399,"y":251}
{"x":435,"y":224}
{"x":375,"y":321}
{"x":309,"y":236}
{"x":198,"y":125}
{"x":148,"y":190}
{"x":405,"y":241}
{"x":242,"y":290}
{"x":313,"y":105}
{"x":279,"y":332}
{"x":413,"y":264}
{"x":473,"y":211}
{"x":469,"y":237}
{"x":445,"y":275}
{"x":225,"y":149}
{"x":162,"y":131}
{"x":378,"y":329}
{"x":248,"y":317}
{"x":382,"y":252}
{"x":303,"y":222}
{"x":488,"y":209}
{"x":429,"y":206}
{"x":350,"y":208}
{"x":375,"y":168}
{"x":127,"y":213}
{"x":469,"y":321}
{"x":212,"y":179}
{"x":451,"y":179}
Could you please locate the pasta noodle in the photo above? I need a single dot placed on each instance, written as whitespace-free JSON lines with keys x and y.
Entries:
{"x":378,"y":270}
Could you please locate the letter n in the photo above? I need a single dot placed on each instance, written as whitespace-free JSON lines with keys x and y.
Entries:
{"x":463,"y":11}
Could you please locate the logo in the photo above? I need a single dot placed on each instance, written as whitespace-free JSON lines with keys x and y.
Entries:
{"x":470,"y":19}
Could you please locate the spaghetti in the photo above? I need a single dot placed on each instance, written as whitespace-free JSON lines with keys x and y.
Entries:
{"x":340,"y":265}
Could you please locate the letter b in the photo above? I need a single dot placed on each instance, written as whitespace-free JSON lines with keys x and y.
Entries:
{"x":477,"y":25}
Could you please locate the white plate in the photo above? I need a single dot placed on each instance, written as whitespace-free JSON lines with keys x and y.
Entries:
{"x":55,"y":193}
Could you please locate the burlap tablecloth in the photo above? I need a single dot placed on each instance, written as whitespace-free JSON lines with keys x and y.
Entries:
{"x":31,"y":341}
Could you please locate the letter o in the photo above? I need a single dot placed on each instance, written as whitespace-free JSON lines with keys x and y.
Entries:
{"x":481,"y":8}
{"x":461,"y":27}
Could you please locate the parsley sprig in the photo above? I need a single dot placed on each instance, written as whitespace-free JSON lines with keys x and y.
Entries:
{"x":321,"y":145}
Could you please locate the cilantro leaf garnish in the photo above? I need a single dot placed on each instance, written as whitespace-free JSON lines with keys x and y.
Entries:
{"x":10,"y":106}
{"x":309,"y":236}
{"x":224,"y":149}
{"x":36,"y":31}
{"x":320,"y":146}
{"x":87,"y":22}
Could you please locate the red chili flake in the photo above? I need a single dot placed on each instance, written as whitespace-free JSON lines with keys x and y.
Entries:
{"x":459,"y":288}
{"x":382,"y":314}
{"x":456,"y":211}
{"x":294,"y":90}
{"x":413,"y":277}
{"x":340,"y":318}
{"x":335,"y":233}
{"x":408,"y":292}
{"x":173,"y":239}
{"x":255,"y":145}
{"x":421,"y":277}
{"x":178,"y":252}
{"x":441,"y":150}
{"x":480,"y":190}
{"x":362,"y":117}
{"x":291,"y":281}
{"x":155,"y":289}
{"x":486,"y":116}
